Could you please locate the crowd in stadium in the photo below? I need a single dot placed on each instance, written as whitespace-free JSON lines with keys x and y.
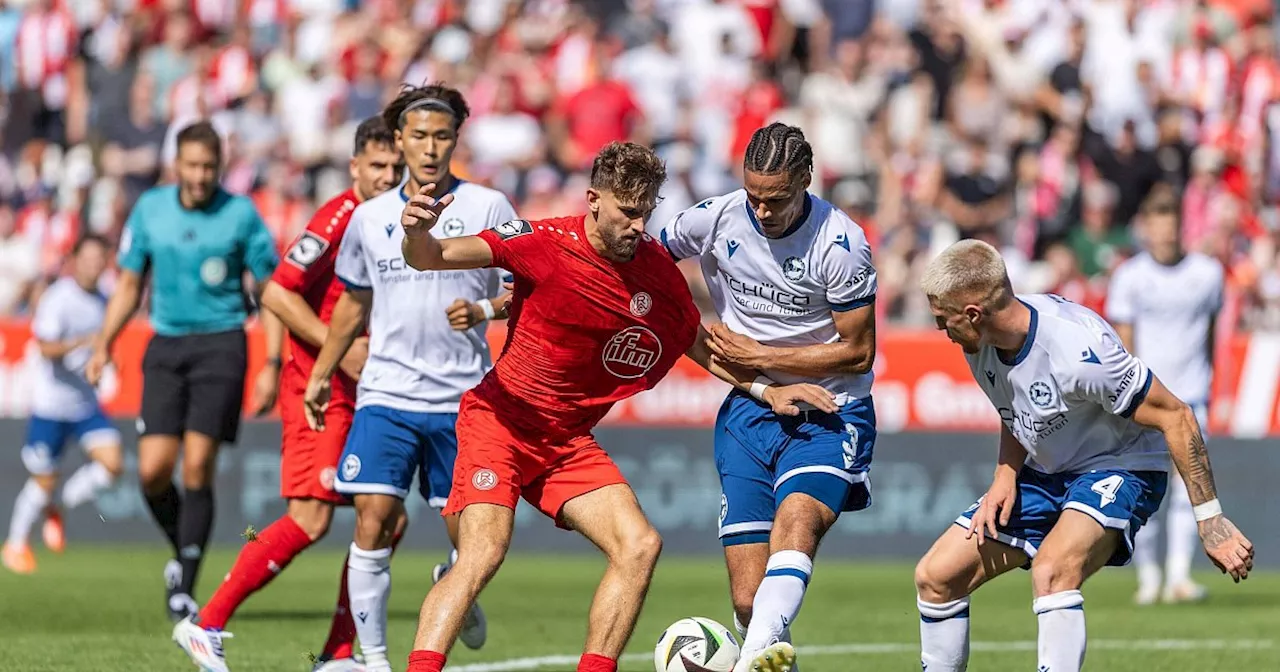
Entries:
{"x":1040,"y":126}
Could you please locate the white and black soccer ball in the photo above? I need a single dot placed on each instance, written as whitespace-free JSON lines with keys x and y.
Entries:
{"x":696,"y":645}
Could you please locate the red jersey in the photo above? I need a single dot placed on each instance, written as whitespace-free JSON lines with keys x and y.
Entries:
{"x":307,"y":269}
{"x":584,"y":331}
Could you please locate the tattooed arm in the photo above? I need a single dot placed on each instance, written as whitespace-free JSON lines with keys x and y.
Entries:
{"x":1224,"y":544}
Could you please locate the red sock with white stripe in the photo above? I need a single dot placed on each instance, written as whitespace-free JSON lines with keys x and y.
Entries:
{"x":594,"y":662}
{"x":258,"y":563}
{"x":426,"y":661}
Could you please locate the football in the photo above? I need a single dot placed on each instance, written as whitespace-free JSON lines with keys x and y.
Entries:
{"x":696,"y":645}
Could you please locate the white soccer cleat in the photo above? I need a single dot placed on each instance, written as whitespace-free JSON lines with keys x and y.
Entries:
{"x":1187,"y":591}
{"x":203,"y":646}
{"x":475,"y":630}
{"x":339,"y":665}
{"x":778,"y":657}
{"x":1147,"y":595}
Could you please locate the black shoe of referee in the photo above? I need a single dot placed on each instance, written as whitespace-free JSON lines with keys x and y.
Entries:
{"x":179,"y":605}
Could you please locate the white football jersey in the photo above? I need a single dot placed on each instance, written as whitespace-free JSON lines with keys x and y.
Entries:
{"x":780,"y":291}
{"x":1069,"y":394}
{"x":417,"y":362}
{"x":1171,"y":309}
{"x":66,"y":312}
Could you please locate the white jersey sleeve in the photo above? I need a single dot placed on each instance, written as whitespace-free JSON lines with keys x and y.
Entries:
{"x":1120,"y":305}
{"x":49,"y":324}
{"x":1109,"y":376}
{"x":849,"y":275}
{"x":351,"y":266}
{"x":690,"y":233}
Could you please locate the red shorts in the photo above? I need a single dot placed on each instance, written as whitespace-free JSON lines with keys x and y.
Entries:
{"x":309,"y":459}
{"x":497,"y":466}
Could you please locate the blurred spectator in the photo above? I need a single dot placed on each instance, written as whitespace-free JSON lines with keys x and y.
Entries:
{"x":19,"y":267}
{"x":171,"y":60}
{"x":1098,"y":245}
{"x":602,"y":111}
{"x":1036,"y":125}
{"x":840,"y":102}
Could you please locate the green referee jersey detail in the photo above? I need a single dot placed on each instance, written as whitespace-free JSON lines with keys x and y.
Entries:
{"x":196,"y":259}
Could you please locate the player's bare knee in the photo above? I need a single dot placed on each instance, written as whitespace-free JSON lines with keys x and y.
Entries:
{"x":935,"y":584}
{"x":1051,"y":574}
{"x":478,"y":565}
{"x":111,"y":459}
{"x":312,"y":515}
{"x":640,"y":548}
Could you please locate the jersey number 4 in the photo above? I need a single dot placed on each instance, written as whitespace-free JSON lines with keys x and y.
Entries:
{"x":1107,"y":487}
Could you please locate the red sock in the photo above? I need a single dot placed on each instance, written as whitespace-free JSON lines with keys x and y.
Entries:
{"x":426,"y":661}
{"x":342,"y":631}
{"x":258,"y":563}
{"x":594,"y":662}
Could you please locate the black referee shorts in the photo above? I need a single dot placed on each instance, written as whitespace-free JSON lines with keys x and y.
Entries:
{"x":194,"y":383}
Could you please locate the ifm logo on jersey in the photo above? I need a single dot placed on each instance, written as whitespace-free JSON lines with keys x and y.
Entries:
{"x":1027,"y":426}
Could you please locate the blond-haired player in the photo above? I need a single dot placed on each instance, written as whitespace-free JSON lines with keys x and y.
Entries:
{"x":1086,"y":435}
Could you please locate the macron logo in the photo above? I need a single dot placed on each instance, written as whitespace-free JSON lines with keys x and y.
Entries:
{"x":991,"y":379}
{"x":1089,"y":357}
{"x":362,"y":615}
{"x":390,"y":227}
{"x":705,"y":204}
{"x":843,"y":241}
{"x":733,"y":247}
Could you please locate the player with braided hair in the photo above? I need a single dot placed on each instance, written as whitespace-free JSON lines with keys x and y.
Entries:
{"x":792,"y":282}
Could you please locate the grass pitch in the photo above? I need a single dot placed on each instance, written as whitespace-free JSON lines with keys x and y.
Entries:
{"x":100,"y":608}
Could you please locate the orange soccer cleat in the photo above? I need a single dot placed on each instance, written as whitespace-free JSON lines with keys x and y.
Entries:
{"x":55,"y":538}
{"x":18,"y":559}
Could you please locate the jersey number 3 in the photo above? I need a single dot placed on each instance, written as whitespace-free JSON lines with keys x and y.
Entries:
{"x":1107,"y":487}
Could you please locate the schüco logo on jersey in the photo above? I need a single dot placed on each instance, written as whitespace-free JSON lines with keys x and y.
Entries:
{"x":631,"y":352}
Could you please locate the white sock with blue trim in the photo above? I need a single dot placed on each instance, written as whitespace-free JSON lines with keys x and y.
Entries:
{"x":1062,"y":633}
{"x":85,"y":484}
{"x":27,"y":509}
{"x":777,"y":599}
{"x":369,"y":588}
{"x":944,"y":635}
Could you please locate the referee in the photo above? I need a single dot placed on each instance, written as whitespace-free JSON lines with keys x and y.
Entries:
{"x":197,"y":242}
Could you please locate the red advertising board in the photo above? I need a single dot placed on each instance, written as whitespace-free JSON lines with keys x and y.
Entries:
{"x":922,"y":384}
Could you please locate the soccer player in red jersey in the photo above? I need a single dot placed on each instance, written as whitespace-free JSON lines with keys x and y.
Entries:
{"x":600,"y":313}
{"x":302,"y":292}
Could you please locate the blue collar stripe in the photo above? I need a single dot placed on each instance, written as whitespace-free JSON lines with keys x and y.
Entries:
{"x":1031,"y":337}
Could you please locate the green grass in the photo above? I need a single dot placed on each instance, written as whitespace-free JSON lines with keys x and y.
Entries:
{"x":101,"y":609}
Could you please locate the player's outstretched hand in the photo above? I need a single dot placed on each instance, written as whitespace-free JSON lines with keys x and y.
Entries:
{"x":314,"y":402}
{"x":266,"y":386}
{"x":463,"y":315}
{"x":422,"y":211}
{"x":786,"y":399}
{"x":98,"y":362}
{"x":995,"y":510}
{"x":352,"y":363}
{"x":731,"y":346}
{"x":1227,"y":547}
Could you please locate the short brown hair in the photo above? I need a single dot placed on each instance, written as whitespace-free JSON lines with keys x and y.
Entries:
{"x":629,"y":171}
{"x":373,"y":131}
{"x":201,"y":133}
{"x":1160,"y":203}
